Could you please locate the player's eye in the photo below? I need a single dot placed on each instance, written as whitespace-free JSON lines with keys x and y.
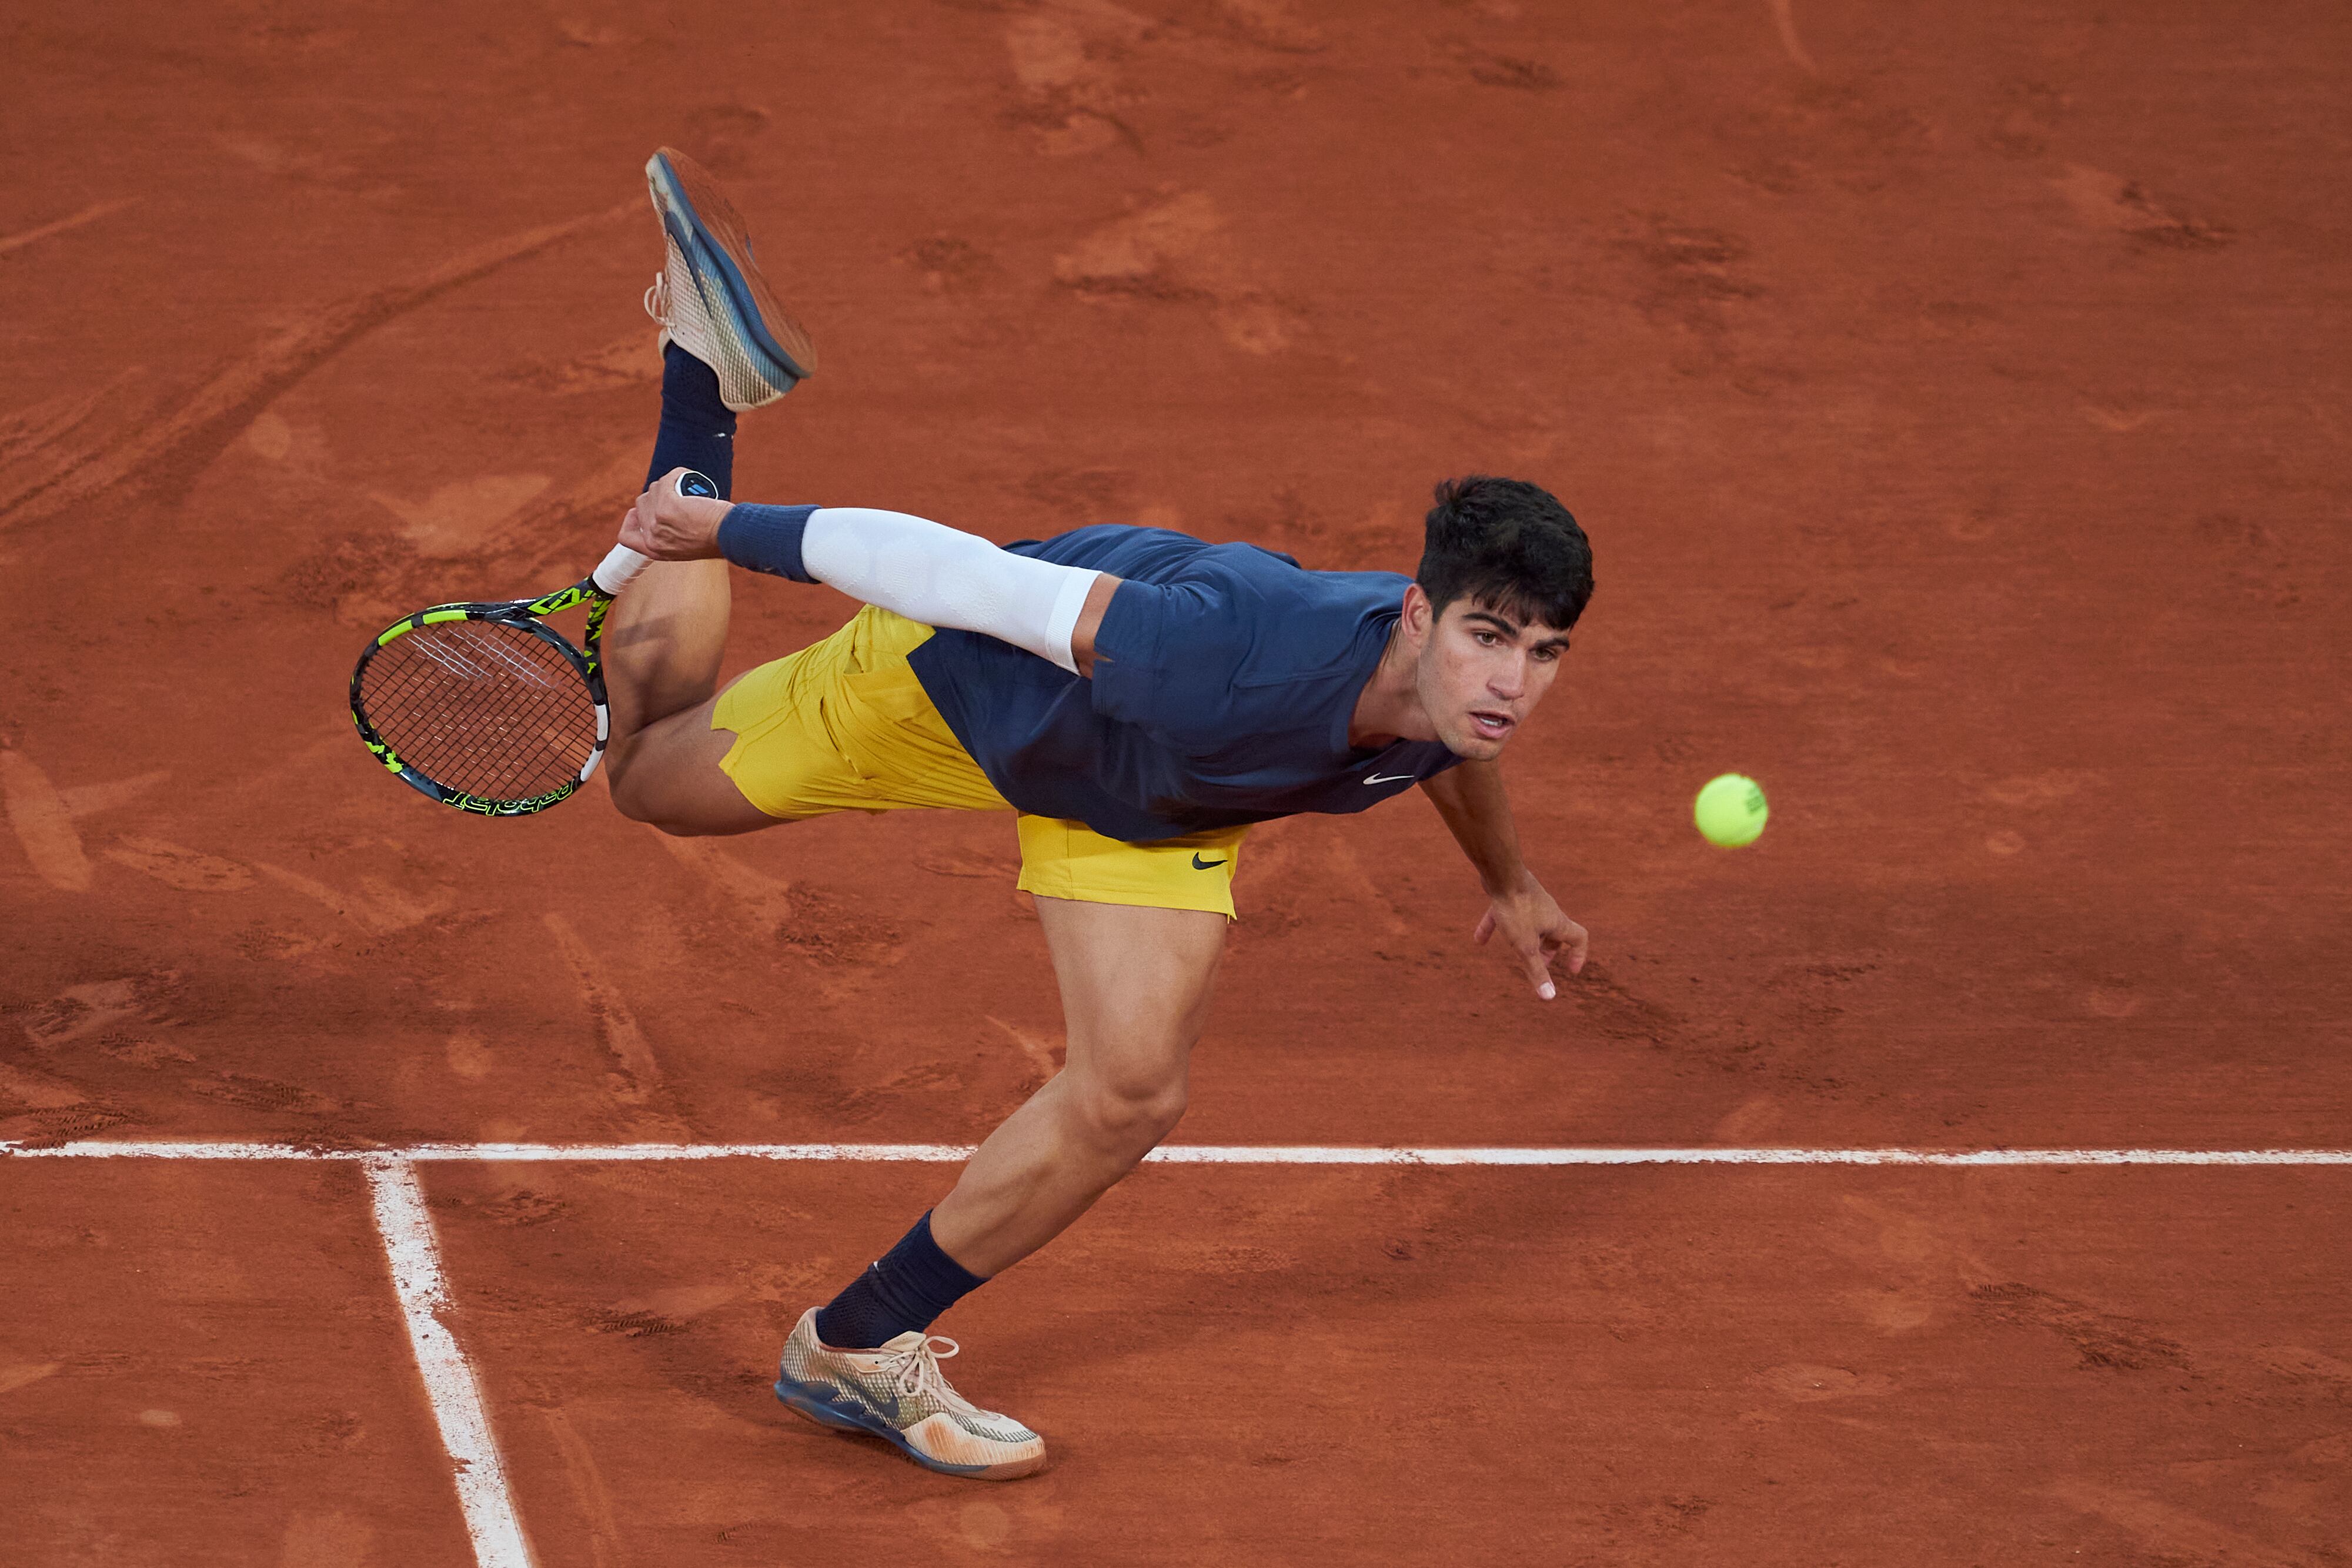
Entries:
{"x":1485,"y":639}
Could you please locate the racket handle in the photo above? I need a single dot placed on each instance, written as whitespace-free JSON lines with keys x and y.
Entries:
{"x":619,"y":568}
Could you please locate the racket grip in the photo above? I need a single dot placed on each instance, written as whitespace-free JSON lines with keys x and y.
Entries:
{"x":619,"y":568}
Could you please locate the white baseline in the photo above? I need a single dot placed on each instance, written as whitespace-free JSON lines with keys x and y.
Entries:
{"x":413,"y":1251}
{"x":1185,"y":1154}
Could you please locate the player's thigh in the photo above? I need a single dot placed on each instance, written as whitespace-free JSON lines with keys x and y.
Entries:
{"x":1136,"y":985}
{"x":670,"y":773}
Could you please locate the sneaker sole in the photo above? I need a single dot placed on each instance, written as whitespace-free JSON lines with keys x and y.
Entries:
{"x":803,"y":1400}
{"x":707,"y":228}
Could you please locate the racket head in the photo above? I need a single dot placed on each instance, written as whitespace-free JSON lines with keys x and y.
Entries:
{"x":481,"y":707}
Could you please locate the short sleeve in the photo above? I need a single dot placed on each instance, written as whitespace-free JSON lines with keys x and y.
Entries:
{"x":1167,"y":653}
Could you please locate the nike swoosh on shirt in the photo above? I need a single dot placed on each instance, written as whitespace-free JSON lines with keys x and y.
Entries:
{"x":1386,"y":778}
{"x":1199,"y":864}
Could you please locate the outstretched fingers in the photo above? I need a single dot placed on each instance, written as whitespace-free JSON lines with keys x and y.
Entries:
{"x":1536,"y":941}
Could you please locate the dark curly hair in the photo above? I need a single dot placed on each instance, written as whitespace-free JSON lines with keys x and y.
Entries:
{"x":1510,"y":546}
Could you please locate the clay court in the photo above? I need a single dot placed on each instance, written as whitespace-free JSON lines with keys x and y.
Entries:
{"x":1955,"y":397}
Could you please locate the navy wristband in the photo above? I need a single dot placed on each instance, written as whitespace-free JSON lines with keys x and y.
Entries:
{"x":765,"y":538}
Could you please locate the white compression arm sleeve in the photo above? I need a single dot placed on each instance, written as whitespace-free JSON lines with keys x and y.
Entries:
{"x":934,"y":574}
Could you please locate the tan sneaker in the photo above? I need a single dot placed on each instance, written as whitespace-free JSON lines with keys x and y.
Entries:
{"x":897,"y":1392}
{"x":711,"y":299}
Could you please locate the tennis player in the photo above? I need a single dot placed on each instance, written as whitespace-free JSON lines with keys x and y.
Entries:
{"x":1138,"y":697}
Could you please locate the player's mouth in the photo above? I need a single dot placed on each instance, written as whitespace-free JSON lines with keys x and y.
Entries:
{"x":1490,"y":725}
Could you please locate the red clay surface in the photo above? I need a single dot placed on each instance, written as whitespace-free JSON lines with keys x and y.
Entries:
{"x":1956,"y":398}
{"x":204,"y":1364}
{"x":1796,"y":1367}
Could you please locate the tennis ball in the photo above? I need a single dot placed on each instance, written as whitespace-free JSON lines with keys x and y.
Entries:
{"x":1730,"y":810}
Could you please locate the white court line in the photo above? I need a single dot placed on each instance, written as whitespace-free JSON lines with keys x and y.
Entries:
{"x":406,"y":1226}
{"x":1187,"y":1153}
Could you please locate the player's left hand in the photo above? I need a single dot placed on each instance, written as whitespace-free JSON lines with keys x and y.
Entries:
{"x":667,"y":525}
{"x":1534,"y":928}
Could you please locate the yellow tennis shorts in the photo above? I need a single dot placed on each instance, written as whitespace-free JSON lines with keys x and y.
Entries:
{"x":845,"y":726}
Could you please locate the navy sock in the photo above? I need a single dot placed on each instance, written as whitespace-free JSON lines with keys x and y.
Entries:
{"x":698,"y":430}
{"x":903,"y":1293}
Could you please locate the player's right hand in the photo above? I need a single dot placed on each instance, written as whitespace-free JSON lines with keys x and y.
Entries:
{"x":1535,"y":931}
{"x":667,"y":526}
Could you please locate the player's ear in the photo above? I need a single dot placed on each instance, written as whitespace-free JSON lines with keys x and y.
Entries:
{"x":1417,"y":615}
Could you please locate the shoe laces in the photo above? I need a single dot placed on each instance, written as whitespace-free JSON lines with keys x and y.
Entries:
{"x":658,"y":298}
{"x":915,"y":1370}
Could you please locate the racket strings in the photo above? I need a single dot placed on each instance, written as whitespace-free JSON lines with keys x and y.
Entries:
{"x":486,"y":708}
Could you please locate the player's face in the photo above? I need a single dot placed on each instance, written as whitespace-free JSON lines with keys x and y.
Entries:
{"x":1481,"y":673}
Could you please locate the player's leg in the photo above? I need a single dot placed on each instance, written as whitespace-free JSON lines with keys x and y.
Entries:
{"x":662,"y":647}
{"x":727,"y":346}
{"x":665,"y":637}
{"x":1136,"y":985}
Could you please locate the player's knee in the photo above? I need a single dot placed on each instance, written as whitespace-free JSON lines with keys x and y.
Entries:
{"x":635,"y":798}
{"x":1130,"y":1117}
{"x":632,"y":799}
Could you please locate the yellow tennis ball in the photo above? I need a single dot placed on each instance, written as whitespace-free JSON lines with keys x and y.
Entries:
{"x":1730,"y":810}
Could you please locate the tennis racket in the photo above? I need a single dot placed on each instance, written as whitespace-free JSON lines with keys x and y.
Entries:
{"x":484,"y":707}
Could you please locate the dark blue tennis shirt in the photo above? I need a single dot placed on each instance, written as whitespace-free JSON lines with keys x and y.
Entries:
{"x":1225,"y":679}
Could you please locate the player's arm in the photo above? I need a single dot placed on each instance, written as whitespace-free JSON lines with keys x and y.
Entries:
{"x":907,"y":565}
{"x":1470,"y":798}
